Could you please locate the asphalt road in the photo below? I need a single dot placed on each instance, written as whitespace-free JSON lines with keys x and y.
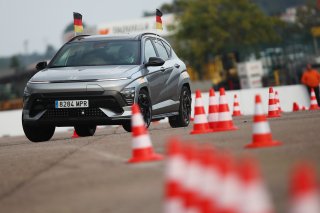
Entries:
{"x":90,"y":174}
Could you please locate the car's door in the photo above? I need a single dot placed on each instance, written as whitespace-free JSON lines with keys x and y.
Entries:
{"x":168,"y":95}
{"x":153,"y":75}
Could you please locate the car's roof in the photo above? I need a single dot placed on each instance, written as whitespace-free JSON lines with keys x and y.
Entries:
{"x":81,"y":38}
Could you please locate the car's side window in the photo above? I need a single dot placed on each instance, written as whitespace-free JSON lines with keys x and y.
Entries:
{"x":149,"y":50}
{"x":161,"y":50}
{"x":168,"y":48}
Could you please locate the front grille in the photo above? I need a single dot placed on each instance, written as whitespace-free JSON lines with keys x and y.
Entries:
{"x":40,"y":103}
{"x":73,"y":113}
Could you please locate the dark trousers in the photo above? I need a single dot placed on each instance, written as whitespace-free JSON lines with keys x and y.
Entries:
{"x":316,"y":91}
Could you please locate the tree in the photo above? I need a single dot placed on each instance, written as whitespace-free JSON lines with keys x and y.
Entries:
{"x":210,"y":27}
{"x":14,"y":62}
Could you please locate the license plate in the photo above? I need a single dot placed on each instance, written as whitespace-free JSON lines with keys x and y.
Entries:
{"x":72,"y":104}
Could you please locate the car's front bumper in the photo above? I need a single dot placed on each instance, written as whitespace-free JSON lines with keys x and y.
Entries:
{"x":105,"y":108}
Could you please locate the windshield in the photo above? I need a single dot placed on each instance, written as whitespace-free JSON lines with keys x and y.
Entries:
{"x":97,"y":53}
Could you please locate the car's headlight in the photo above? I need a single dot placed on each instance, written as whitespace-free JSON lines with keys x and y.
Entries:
{"x":129,"y":94}
{"x":26,"y":94}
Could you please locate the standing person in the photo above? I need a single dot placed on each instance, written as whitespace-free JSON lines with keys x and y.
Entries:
{"x":311,"y":78}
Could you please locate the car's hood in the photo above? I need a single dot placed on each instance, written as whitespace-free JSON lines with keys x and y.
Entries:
{"x":76,"y":74}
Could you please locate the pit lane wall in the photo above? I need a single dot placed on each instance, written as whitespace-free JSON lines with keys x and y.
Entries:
{"x":10,"y":121}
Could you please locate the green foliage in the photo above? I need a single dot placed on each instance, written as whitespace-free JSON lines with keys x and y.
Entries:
{"x":278,"y":6}
{"x":211,"y":27}
{"x":14,"y":62}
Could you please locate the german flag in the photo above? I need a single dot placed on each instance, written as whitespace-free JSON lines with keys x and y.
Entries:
{"x":158,"y":20}
{"x":77,"y":22}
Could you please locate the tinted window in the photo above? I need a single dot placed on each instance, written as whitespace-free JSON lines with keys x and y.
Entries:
{"x":149,"y":50}
{"x":161,"y":50}
{"x":97,"y":53}
{"x":168,"y":48}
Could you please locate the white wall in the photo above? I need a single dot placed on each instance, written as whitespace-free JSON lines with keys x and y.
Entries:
{"x":287,"y":95}
{"x":10,"y":121}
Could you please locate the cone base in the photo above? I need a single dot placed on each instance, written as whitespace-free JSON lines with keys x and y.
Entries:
{"x":236,"y":114}
{"x":232,"y":128}
{"x":153,"y":157}
{"x":263,"y":144}
{"x":204,"y":131}
{"x":274,"y":116}
{"x":314,"y":108}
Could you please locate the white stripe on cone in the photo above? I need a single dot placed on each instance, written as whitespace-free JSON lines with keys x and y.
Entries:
{"x":175,"y":172}
{"x":176,"y":168}
{"x":200,"y":119}
{"x":231,"y":192}
{"x":258,"y":109}
{"x":236,"y":108}
{"x":213,"y":117}
{"x":255,"y":199}
{"x":225,"y":116}
{"x":314,"y":102}
{"x":141,"y":141}
{"x":223,"y":99}
{"x":199,"y":102}
{"x":261,"y":128}
{"x":137,"y":120}
{"x":308,"y":203}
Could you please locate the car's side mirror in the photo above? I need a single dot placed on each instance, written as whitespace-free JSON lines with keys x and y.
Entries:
{"x":154,"y":61}
{"x":41,"y":65}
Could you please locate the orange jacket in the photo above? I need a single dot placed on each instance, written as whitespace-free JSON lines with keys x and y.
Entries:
{"x":311,"y":78}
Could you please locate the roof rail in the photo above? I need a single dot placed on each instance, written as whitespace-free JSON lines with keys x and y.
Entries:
{"x":147,"y":33}
{"x":76,"y":37}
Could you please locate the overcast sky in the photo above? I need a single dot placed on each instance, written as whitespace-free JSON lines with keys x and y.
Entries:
{"x":41,"y":22}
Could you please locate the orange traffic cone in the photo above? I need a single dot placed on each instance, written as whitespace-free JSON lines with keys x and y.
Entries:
{"x":175,"y":168}
{"x":200,"y":125}
{"x":230,"y":194}
{"x":213,"y":110}
{"x":192,"y":179}
{"x":261,"y":130}
{"x":225,"y":122}
{"x":304,"y":190}
{"x":211,"y":181}
{"x":236,"y":106}
{"x":313,"y":101}
{"x":303,"y":108}
{"x":295,"y":107}
{"x":142,"y":149}
{"x":278,"y":102}
{"x":75,"y":135}
{"x":254,"y":196}
{"x":273,"y":108}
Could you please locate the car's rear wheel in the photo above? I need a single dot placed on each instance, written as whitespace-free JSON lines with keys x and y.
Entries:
{"x":38,"y":133}
{"x":144,"y":103}
{"x":85,"y":130}
{"x":183,"y":118}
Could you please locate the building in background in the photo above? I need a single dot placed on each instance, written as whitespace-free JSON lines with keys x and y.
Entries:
{"x":145,"y":24}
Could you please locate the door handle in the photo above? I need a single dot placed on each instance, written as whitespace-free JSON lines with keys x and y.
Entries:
{"x":177,"y":65}
{"x":162,"y":69}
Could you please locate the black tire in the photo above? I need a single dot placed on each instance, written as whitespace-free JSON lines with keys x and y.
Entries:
{"x":38,"y":133}
{"x":127,"y":126}
{"x":85,"y":130}
{"x":145,"y":105}
{"x":183,"y":118}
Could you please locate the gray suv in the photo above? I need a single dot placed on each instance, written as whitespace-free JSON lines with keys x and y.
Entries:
{"x":94,"y":80}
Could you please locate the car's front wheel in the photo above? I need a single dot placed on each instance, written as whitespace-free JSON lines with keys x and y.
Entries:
{"x":145,"y":105}
{"x":183,"y":118}
{"x":85,"y":130}
{"x":38,"y":133}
